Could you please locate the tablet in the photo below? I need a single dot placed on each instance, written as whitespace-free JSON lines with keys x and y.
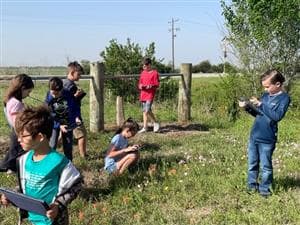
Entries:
{"x":25,"y":202}
{"x":252,"y":109}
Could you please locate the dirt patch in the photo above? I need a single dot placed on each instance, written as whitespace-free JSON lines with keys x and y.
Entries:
{"x":196,"y":214}
{"x":95,"y":178}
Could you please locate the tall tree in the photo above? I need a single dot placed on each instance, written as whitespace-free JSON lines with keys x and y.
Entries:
{"x":265,"y":34}
{"x":86,"y":66}
{"x":126,"y":59}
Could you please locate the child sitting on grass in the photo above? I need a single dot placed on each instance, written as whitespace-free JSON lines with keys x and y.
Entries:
{"x":44,"y":173}
{"x":119,"y":155}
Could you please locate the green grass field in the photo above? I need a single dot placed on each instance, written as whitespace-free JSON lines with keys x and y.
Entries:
{"x":195,"y":175}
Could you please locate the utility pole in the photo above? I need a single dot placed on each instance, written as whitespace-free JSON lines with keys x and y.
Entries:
{"x":173,"y":30}
{"x":224,"y":46}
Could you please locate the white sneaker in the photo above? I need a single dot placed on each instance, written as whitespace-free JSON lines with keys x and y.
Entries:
{"x":9,"y":171}
{"x":156,"y":127}
{"x":143,"y":130}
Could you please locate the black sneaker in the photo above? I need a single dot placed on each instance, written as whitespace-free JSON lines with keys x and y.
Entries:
{"x":265,"y":194}
{"x":252,"y":191}
{"x":3,"y":169}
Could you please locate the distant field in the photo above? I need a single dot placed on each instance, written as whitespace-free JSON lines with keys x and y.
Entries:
{"x":54,"y":70}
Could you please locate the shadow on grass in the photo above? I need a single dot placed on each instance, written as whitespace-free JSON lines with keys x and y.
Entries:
{"x":147,"y":169}
{"x":179,"y":128}
{"x":288,"y":182}
{"x":168,"y":127}
{"x":149,"y":147}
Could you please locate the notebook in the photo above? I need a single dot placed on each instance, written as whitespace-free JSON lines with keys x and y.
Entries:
{"x":25,"y":202}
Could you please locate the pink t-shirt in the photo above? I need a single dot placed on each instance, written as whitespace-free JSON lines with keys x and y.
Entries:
{"x":13,"y":106}
{"x":148,"y":78}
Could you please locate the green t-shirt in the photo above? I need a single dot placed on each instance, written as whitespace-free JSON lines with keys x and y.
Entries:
{"x":42,"y":180}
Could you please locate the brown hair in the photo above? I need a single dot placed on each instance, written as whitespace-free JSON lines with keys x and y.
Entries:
{"x":275,"y":75}
{"x":130,"y":124}
{"x":75,"y":66}
{"x":147,"y":61}
{"x":35,"y":120}
{"x":17,"y":84}
{"x":55,"y":84}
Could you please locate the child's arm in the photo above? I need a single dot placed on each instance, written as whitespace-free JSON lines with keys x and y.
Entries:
{"x":64,"y":128}
{"x":60,"y":204}
{"x":70,"y":185}
{"x":79,"y":93}
{"x":114,"y":152}
{"x":277,"y":111}
{"x":64,"y":199}
{"x":156,"y":81}
{"x":74,"y":109}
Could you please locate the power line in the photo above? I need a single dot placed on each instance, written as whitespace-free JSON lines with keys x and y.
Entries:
{"x":224,"y":45}
{"x":173,"y":30}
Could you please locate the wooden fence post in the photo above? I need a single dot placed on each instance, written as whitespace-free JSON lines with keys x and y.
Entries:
{"x":97,"y":97}
{"x":184,"y":93}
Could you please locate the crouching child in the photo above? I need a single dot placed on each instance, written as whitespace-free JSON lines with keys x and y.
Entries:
{"x":43,"y":173}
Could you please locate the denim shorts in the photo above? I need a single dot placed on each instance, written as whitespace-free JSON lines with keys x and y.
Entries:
{"x":146,"y":106}
{"x":110,"y":165}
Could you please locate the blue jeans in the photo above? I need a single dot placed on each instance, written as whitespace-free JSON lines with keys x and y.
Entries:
{"x":67,"y":139}
{"x":14,"y":151}
{"x":260,"y":155}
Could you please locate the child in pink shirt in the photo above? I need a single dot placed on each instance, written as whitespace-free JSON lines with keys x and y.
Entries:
{"x":19,"y":88}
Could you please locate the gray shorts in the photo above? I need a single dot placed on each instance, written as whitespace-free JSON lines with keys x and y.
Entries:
{"x":146,"y":106}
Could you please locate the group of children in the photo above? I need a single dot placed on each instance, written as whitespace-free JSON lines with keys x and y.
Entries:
{"x":42,"y":172}
{"x":45,"y":174}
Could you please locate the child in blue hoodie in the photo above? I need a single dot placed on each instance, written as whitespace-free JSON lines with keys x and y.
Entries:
{"x":66,"y":115}
{"x":271,"y":108}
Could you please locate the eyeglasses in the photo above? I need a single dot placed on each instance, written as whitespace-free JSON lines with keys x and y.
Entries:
{"x":24,"y":136}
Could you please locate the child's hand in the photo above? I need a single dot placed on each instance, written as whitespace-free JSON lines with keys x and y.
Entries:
{"x":131,"y":148}
{"x":4,"y":200}
{"x":137,"y":147}
{"x":242,"y":104}
{"x":64,"y":128}
{"x":78,"y":121}
{"x":53,"y":211}
{"x":79,"y":92}
{"x":255,"y":101}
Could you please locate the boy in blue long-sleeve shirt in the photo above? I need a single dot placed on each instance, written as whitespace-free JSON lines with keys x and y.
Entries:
{"x":271,"y":108}
{"x":66,"y":114}
{"x":75,"y":71}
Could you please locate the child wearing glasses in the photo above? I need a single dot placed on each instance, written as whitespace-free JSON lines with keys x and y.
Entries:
{"x":43,"y":173}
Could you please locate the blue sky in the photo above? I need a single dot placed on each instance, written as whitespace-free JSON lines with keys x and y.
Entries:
{"x":50,"y":33}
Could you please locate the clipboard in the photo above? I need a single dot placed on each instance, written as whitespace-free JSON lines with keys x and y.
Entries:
{"x":25,"y":202}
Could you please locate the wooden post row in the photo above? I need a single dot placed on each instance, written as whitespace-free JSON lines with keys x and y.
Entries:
{"x":184,"y":93}
{"x":97,"y":97}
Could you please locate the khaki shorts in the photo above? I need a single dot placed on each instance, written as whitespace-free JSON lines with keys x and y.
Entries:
{"x":79,"y":132}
